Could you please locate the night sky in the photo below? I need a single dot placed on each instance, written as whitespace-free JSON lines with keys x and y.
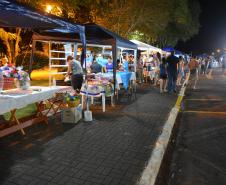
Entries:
{"x":212,"y":34}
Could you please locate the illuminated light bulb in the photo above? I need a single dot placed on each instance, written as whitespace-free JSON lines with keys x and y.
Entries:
{"x":48,"y":8}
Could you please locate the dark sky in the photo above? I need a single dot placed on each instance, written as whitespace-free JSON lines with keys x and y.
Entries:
{"x":212,"y":34}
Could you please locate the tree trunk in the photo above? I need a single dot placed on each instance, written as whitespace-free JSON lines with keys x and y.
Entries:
{"x":9,"y":52}
{"x":17,"y":48}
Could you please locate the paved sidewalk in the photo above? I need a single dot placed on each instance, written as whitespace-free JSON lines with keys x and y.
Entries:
{"x":200,"y":154}
{"x":111,"y":150}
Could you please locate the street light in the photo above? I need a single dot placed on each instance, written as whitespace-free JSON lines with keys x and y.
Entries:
{"x":49,"y":8}
{"x":218,"y":50}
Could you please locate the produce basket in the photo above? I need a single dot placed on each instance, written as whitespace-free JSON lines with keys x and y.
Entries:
{"x":8,"y":83}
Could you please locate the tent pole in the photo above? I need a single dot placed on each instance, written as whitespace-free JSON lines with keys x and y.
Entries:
{"x":135,"y":70}
{"x":75,"y":50}
{"x":50,"y":63}
{"x":32,"y":57}
{"x":114,"y":53}
{"x":103,"y":50}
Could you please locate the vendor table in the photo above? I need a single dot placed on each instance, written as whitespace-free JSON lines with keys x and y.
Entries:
{"x":94,"y":91}
{"x":12,"y":100}
{"x":121,"y":78}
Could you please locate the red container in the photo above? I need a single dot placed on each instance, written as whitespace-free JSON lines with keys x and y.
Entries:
{"x":8,"y":83}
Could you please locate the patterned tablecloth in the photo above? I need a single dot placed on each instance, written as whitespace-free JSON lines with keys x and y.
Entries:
{"x":121,"y":78}
{"x":16,"y":99}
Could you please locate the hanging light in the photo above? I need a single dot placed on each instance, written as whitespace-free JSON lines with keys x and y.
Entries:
{"x":49,"y":8}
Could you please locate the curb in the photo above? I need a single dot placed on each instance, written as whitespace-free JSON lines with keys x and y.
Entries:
{"x":151,"y":171}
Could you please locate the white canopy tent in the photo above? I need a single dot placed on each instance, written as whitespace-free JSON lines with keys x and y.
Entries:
{"x":146,"y":47}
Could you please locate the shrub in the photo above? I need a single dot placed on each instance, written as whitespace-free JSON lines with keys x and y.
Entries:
{"x":40,"y":60}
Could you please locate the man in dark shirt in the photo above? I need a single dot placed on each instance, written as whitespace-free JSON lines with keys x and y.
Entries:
{"x":95,"y":67}
{"x":172,"y":62}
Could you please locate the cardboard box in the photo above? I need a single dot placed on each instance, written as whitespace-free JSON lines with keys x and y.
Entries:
{"x":72,"y":115}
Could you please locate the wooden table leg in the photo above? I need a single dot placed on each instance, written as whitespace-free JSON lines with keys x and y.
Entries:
{"x":13,"y":118}
{"x":39,"y":111}
{"x":83,"y":101}
{"x":103,"y":102}
{"x":57,"y":108}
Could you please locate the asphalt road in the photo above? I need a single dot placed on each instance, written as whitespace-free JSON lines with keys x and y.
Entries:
{"x":199,"y":154}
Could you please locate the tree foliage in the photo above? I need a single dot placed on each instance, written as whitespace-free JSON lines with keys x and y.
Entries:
{"x":160,"y":22}
{"x":11,"y":41}
{"x":184,"y":23}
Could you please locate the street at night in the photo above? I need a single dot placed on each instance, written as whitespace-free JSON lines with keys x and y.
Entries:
{"x":112,"y":92}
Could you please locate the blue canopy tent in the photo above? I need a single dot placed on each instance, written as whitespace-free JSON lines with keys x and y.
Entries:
{"x":13,"y":14}
{"x":168,"y":49}
{"x":202,"y":55}
{"x":179,"y":53}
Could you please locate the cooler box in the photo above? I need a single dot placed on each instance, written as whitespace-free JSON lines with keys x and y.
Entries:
{"x":72,"y":115}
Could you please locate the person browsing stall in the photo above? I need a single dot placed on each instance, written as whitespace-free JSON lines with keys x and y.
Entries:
{"x":96,"y":67}
{"x":109,"y":65}
{"x":75,"y":71}
{"x":224,"y":65}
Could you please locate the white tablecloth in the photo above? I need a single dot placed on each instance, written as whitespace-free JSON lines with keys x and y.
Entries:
{"x":10,"y":101}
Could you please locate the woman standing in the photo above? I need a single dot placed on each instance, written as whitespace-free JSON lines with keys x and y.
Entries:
{"x":210,"y":65}
{"x":180,"y":70}
{"x":75,"y":71}
{"x":109,"y":65}
{"x":163,"y":76}
{"x":140,"y":75}
{"x":224,"y":65}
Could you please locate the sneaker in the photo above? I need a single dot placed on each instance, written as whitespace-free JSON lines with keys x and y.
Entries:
{"x":165,"y":90}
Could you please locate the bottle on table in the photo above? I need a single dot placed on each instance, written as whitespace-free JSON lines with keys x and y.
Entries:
{"x":1,"y":80}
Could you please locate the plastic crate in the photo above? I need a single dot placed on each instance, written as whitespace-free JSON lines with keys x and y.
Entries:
{"x":72,"y":115}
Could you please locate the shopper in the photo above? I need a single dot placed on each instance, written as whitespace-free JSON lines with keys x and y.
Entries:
{"x":206,"y":64}
{"x":140,"y":75}
{"x":95,"y":67}
{"x":203,"y":65}
{"x":172,"y":62}
{"x":193,"y":66}
{"x":224,"y":65}
{"x":75,"y":71}
{"x":163,"y":76}
{"x":180,"y":71}
{"x":210,"y":70}
{"x":131,"y":63}
{"x":109,"y":65}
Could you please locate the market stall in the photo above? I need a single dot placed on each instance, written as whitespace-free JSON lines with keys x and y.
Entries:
{"x":97,"y":35}
{"x":149,"y":60}
{"x":17,"y":98}
{"x":13,"y":15}
{"x":98,"y":85}
{"x":146,"y":47}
